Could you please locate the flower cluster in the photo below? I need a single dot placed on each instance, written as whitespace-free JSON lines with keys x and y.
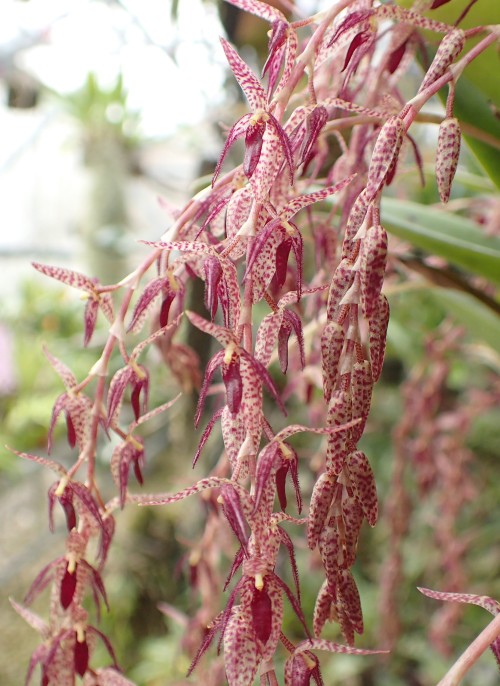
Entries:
{"x":292,"y":253}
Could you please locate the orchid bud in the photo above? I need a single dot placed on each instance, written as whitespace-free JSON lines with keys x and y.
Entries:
{"x":321,"y":500}
{"x":363,"y":481}
{"x":331,"y":554}
{"x":451,"y":46}
{"x":332,"y":342}
{"x":447,"y":154}
{"x":378,"y":333}
{"x":385,"y":154}
{"x":339,"y":412}
{"x":361,"y":393}
{"x":372,"y":270}
{"x":342,"y":280}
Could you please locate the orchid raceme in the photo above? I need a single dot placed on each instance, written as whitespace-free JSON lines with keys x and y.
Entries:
{"x":325,"y":134}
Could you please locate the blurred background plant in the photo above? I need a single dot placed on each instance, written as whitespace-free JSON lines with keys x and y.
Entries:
{"x":84,"y":161}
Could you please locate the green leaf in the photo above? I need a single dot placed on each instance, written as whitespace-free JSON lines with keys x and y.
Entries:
{"x":482,"y":324}
{"x":442,"y":233}
{"x":473,"y":107}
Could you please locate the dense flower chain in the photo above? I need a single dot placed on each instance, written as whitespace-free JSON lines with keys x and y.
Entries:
{"x":247,"y":238}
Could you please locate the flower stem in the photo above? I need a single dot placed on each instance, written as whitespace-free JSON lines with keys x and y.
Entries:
{"x":472,"y":654}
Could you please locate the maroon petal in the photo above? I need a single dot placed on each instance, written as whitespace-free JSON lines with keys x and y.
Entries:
{"x":266,"y":463}
{"x":283,"y":336}
{"x":234,"y":513}
{"x":282,"y":253}
{"x":69,"y":512}
{"x":285,"y":144}
{"x":91,"y":309}
{"x":356,"y":42}
{"x":215,"y":362}
{"x":68,"y":586}
{"x":81,"y":656}
{"x":253,"y":146}
{"x":167,"y":300}
{"x":231,"y":376}
{"x":396,"y":56}
{"x":261,"y":608}
{"x":71,"y":433}
{"x":205,"y":435}
{"x":277,"y":39}
{"x":213,"y":274}
{"x":59,"y":406}
{"x":117,"y":387}
{"x":237,"y":131}
{"x":349,"y":22}
{"x":281,"y":486}
{"x":314,"y":123}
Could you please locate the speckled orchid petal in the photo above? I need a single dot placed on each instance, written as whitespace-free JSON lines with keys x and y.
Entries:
{"x":249,"y":83}
{"x":260,"y":9}
{"x":241,"y":651}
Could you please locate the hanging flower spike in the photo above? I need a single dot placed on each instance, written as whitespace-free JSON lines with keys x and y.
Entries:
{"x":96,"y":298}
{"x":261,"y":129}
